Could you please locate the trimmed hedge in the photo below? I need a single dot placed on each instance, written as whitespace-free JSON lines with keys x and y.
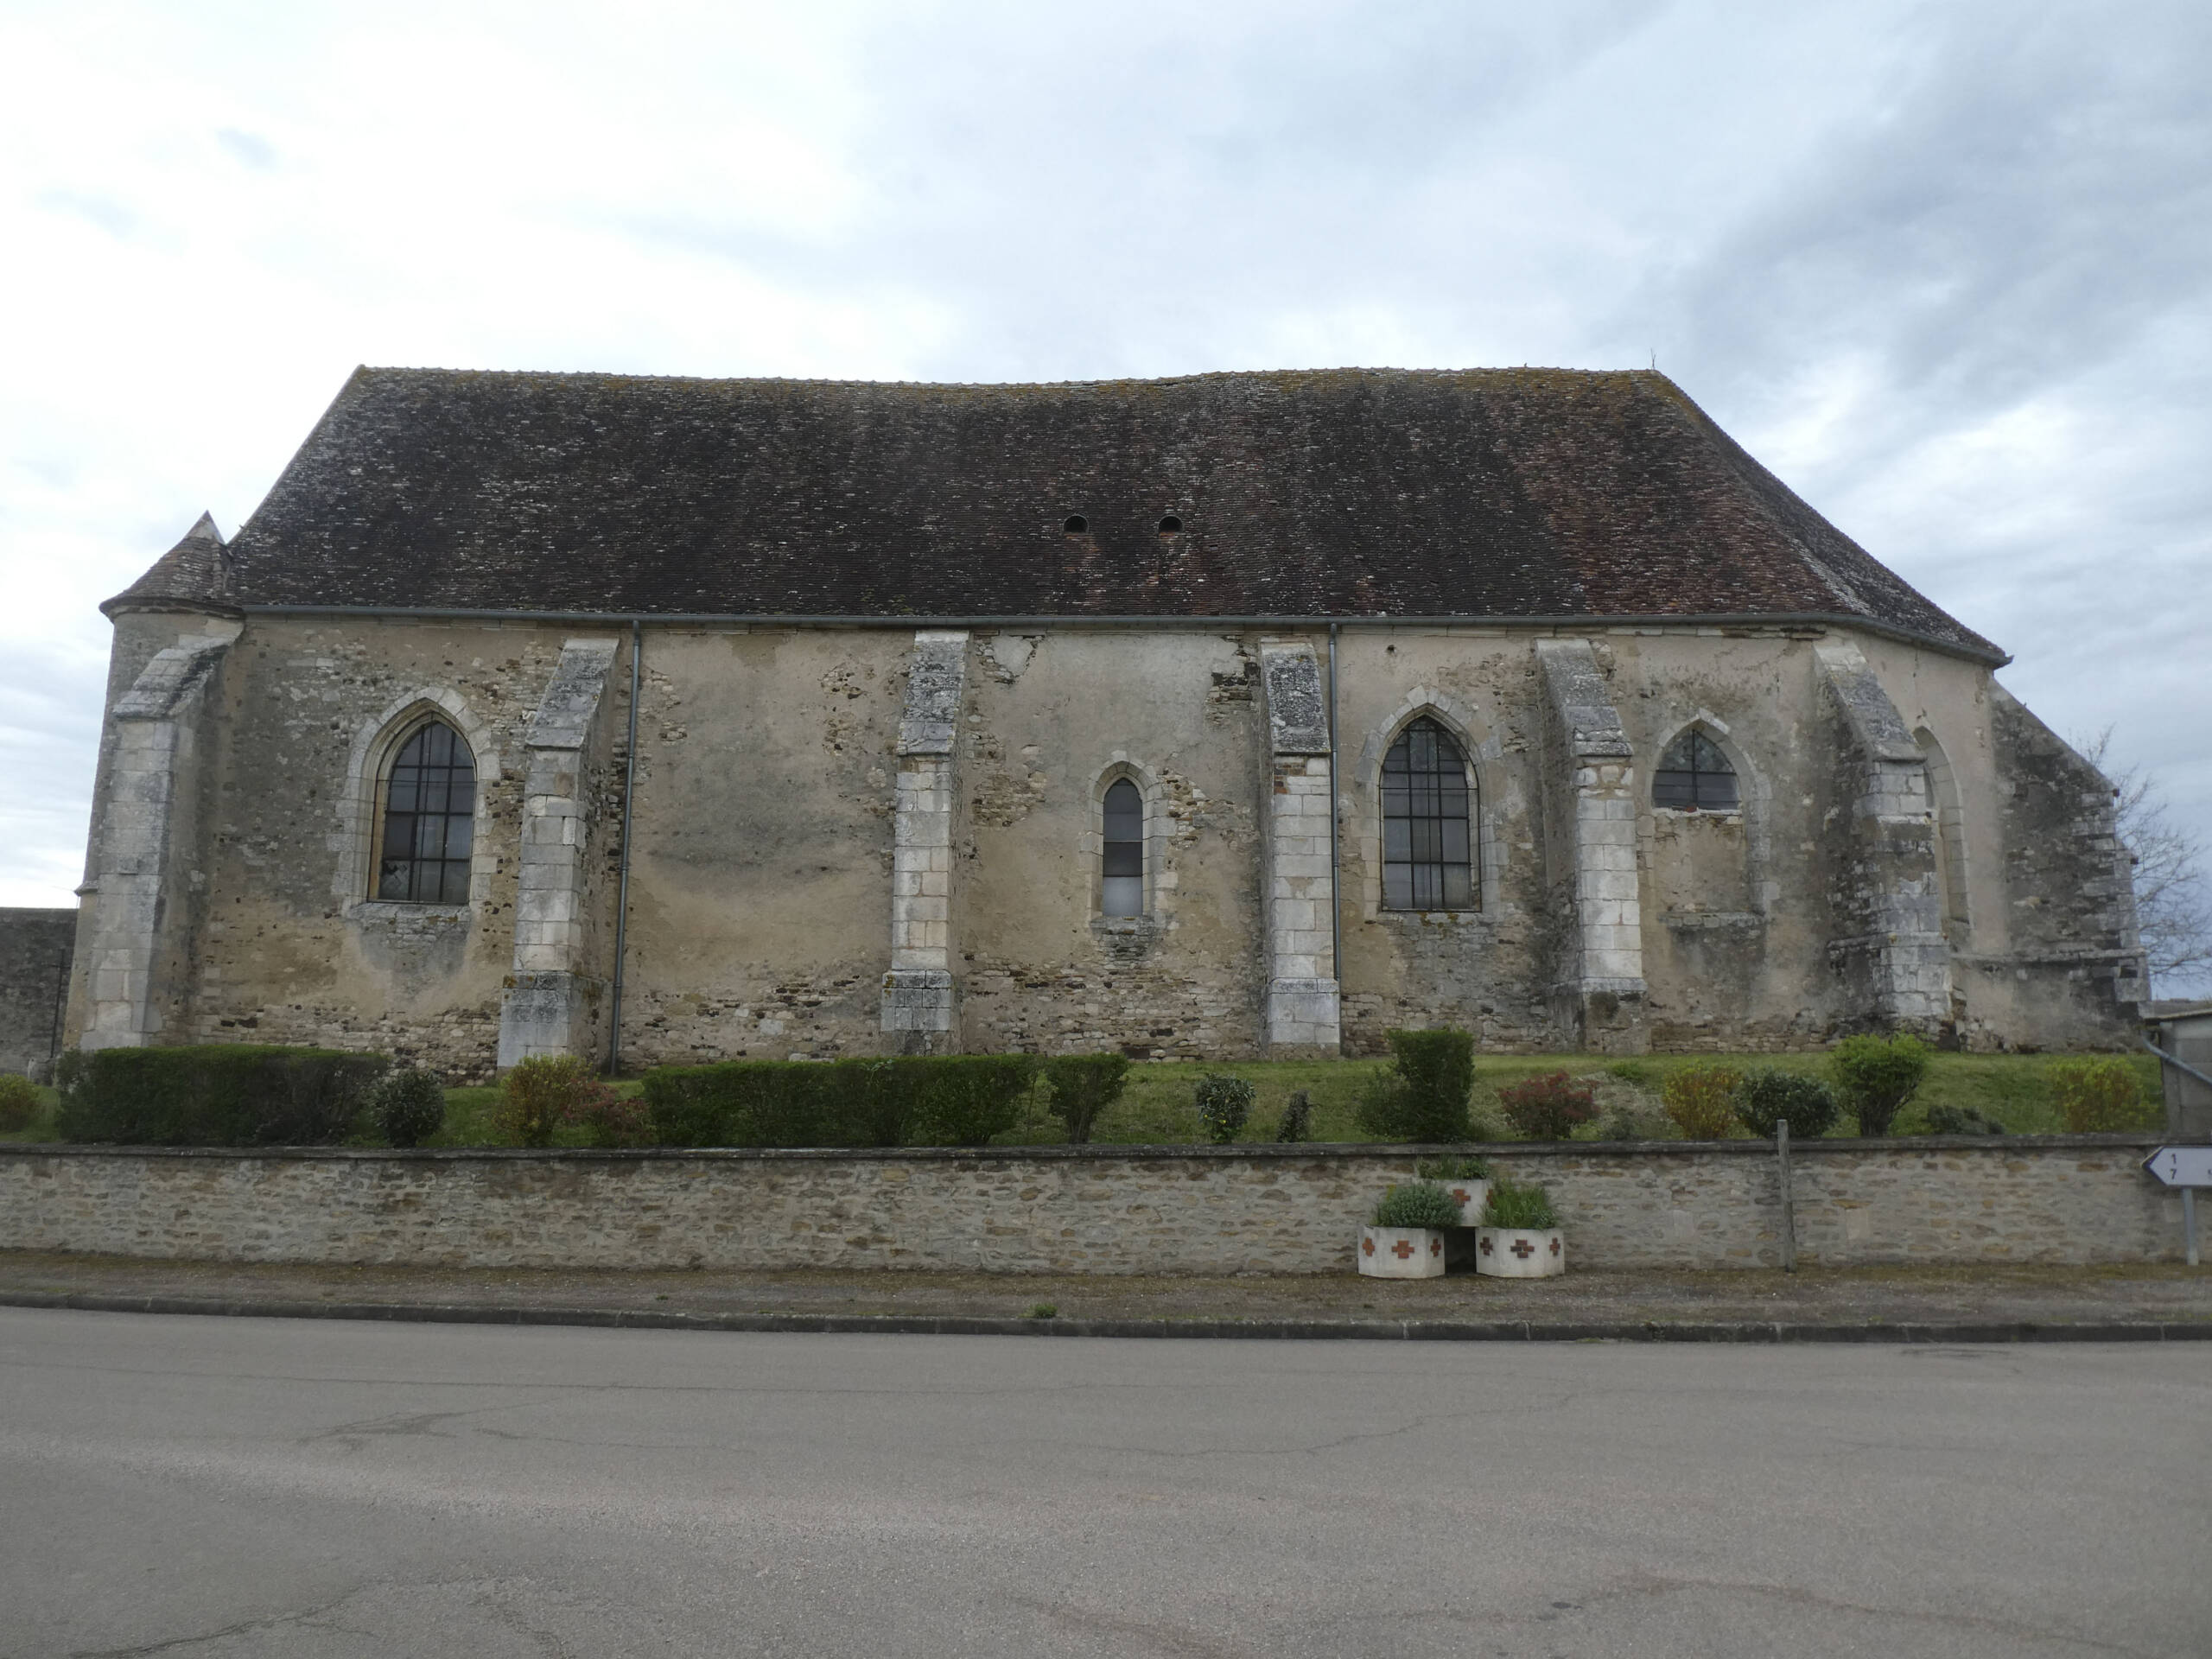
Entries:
{"x":953,"y":1100}
{"x":214,"y":1095}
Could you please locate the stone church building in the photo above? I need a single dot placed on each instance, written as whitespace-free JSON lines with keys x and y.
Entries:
{"x":675,"y":720}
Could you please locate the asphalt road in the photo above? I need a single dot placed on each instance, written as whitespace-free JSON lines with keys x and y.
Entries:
{"x":195,"y":1487}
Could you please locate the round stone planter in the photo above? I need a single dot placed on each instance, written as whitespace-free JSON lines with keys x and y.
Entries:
{"x":1400,"y":1252}
{"x":1471,"y":1197}
{"x":1520,"y":1252}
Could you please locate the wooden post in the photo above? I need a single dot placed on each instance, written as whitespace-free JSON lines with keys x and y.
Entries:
{"x":1789,"y":1198}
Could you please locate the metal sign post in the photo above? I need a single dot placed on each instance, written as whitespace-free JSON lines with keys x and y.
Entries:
{"x":2188,"y":1168}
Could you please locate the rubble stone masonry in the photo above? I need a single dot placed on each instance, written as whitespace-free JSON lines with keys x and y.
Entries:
{"x":1103,"y":1210}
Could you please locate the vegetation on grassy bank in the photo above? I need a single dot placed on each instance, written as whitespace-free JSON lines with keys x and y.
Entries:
{"x":1157,"y":1104}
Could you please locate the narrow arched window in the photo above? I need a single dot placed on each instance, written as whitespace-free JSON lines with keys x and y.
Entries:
{"x":430,"y":819}
{"x":1694,"y":776}
{"x":1428,"y":839}
{"x":1121,"y":885}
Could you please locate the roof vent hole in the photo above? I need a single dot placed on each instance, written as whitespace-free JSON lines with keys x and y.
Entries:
{"x":1170,"y":526}
{"x":1077,"y":524}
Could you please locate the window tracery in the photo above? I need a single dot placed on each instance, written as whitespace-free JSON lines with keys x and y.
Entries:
{"x":1427,"y":822}
{"x":1695,"y":776}
{"x":427,"y":820}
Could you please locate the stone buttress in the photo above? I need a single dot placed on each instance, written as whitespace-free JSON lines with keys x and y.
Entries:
{"x":1598,"y":988}
{"x":920,"y":997}
{"x":553,"y":994}
{"x":1303,"y":1001}
{"x":1886,"y":902}
{"x":133,"y":930}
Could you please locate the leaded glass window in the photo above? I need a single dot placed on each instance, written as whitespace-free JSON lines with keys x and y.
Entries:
{"x":1122,"y":888}
{"x":1694,"y":776}
{"x":430,"y":819}
{"x":1427,"y":826}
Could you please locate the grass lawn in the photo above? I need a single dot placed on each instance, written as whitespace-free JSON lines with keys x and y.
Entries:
{"x":1157,"y":1107}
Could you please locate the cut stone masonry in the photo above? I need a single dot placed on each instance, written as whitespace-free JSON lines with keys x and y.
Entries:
{"x":140,"y":866}
{"x":1889,"y":909}
{"x":920,"y":995}
{"x":552,"y":992}
{"x":1304,"y":1007}
{"x":1599,"y":992}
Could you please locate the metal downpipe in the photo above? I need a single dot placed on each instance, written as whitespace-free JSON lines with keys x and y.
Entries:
{"x":1336,"y":794}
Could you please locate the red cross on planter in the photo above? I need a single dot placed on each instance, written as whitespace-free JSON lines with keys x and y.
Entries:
{"x":1458,"y":1195}
{"x":1523,"y":1249}
{"x":1483,"y":1244}
{"x":1404,"y":1250}
{"x":1435,"y":1247}
{"x":1555,"y":1246}
{"x":1367,"y":1244}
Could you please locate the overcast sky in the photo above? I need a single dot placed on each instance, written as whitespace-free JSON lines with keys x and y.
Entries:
{"x":1945,"y":268}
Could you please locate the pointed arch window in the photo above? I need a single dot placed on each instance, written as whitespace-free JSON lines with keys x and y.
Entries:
{"x":1694,"y":776}
{"x":1427,"y":825}
{"x":1121,"y":876}
{"x":428,"y":819}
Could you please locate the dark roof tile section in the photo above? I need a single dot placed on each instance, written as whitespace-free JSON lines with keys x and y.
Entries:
{"x":196,"y":573}
{"x":1347,"y":492}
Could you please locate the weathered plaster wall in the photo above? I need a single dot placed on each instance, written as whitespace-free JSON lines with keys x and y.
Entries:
{"x":1050,"y":721}
{"x":285,"y":945}
{"x":1093,"y":1210}
{"x":761,"y":875}
{"x":35,"y":951}
{"x":1487,"y":969}
{"x":763,"y":879}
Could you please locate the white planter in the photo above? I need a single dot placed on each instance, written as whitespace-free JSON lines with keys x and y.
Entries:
{"x":1471,"y":1196}
{"x":1520,"y":1252}
{"x":1401,"y":1252}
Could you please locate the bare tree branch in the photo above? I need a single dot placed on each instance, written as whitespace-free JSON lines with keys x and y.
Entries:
{"x":2173,"y":903}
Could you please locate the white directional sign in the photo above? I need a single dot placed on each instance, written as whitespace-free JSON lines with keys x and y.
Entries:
{"x":2181,"y":1165}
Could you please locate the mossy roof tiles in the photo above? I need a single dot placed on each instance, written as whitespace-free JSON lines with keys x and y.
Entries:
{"x":1343,"y":493}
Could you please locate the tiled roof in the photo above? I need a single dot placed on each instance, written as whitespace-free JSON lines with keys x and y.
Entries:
{"x":1336,"y":493}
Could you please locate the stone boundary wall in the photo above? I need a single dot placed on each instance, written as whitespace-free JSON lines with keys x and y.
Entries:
{"x":1109,"y":1209}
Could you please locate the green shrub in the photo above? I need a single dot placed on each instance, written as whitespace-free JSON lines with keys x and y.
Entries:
{"x":1769,"y":1097}
{"x":1297,"y":1122}
{"x":913,"y":1100}
{"x":611,"y":1120}
{"x":1701,"y":1101}
{"x":541,"y":1094}
{"x":1436,"y":1074}
{"x":214,"y":1095}
{"x":1877,"y":1077}
{"x":1079,"y":1087}
{"x":1962,"y":1120}
{"x":1511,"y":1203}
{"x":19,"y":1103}
{"x":1549,"y":1108}
{"x":2097,"y":1095}
{"x":409,"y":1106}
{"x":1223,"y":1104}
{"x":1629,"y":1122}
{"x":1416,"y":1203}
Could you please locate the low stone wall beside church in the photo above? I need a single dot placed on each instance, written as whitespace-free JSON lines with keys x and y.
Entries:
{"x":1106,"y":1210}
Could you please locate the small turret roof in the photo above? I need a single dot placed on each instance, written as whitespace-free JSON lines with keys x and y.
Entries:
{"x":195,"y":574}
